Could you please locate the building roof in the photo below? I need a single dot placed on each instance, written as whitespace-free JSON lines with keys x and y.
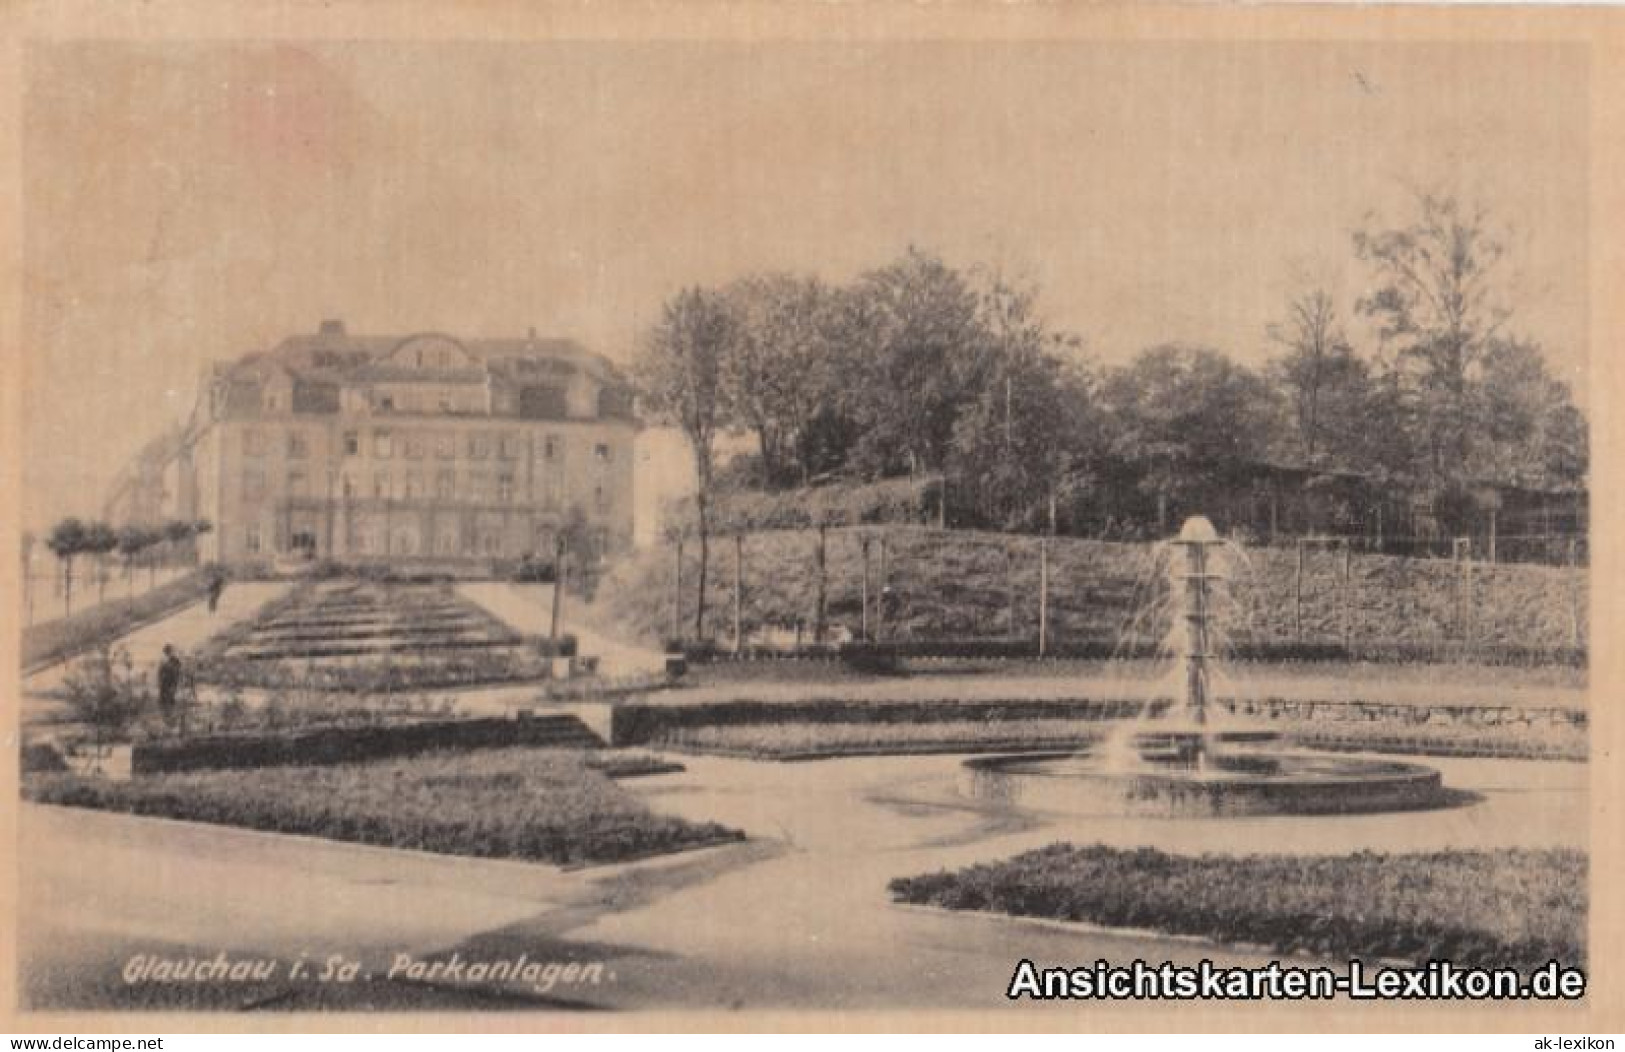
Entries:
{"x":334,"y":355}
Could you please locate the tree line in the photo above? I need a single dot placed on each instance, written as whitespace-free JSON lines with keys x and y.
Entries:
{"x":920,"y":368}
{"x":134,"y":543}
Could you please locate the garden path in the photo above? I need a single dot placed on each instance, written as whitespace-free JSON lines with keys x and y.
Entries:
{"x":187,"y":628}
{"x":797,"y":918}
{"x":528,"y":608}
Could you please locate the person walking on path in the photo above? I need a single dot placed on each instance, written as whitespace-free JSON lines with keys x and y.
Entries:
{"x":217,"y":585}
{"x":169,"y":683}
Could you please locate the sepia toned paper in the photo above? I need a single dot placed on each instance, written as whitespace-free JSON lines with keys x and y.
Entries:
{"x":192,"y":183}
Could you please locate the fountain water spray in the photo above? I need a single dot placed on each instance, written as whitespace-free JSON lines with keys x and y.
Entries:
{"x":1177,"y":764}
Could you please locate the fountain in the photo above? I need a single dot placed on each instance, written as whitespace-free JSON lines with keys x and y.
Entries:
{"x":1176,"y":762}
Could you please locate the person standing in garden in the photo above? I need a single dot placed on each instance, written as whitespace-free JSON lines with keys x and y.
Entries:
{"x":217,"y":585}
{"x":169,"y":682}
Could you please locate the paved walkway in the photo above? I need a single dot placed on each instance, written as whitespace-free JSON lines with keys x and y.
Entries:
{"x":528,"y":608}
{"x":799,"y":917}
{"x":186,"y":628}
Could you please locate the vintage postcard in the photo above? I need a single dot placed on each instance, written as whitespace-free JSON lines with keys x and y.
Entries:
{"x":779,"y":516}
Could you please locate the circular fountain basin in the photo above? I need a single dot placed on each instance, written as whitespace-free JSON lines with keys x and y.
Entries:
{"x":1228,"y":783}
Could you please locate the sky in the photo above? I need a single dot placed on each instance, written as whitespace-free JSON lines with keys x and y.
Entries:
{"x":190,"y":202}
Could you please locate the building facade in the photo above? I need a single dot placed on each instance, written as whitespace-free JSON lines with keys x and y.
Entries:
{"x":413,"y":448}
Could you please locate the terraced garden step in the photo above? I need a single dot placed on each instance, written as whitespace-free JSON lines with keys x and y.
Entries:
{"x":380,"y":617}
{"x":472,"y":632}
{"x":251,"y":653}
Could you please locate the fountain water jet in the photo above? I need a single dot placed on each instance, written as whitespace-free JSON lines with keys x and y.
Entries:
{"x":1176,"y":763}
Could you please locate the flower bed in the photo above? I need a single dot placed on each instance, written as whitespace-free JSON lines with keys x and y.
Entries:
{"x":537,"y":804}
{"x":1510,"y":907}
{"x":369,"y":677}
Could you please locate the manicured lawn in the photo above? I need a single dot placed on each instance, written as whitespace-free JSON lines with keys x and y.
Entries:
{"x":1509,"y":907}
{"x":540,"y":804}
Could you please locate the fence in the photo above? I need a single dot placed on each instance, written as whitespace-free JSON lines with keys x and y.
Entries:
{"x":789,"y":588}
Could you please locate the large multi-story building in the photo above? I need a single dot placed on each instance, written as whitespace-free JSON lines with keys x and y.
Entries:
{"x":423,"y":447}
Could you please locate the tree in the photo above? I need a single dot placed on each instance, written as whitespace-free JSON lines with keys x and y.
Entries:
{"x":1017,"y":444}
{"x":781,"y":375}
{"x":176,"y":533}
{"x":99,"y":540}
{"x":1438,"y":303}
{"x":923,"y":357}
{"x":574,"y":537}
{"x":201,"y":526}
{"x":1325,"y":384}
{"x":67,"y":541}
{"x":1533,"y":434}
{"x":1183,"y":419}
{"x":681,"y":367}
{"x":134,"y":539}
{"x":106,"y":694}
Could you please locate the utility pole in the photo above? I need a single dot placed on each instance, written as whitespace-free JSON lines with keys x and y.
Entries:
{"x":823,"y":584}
{"x":1461,"y":550}
{"x":863,"y":597}
{"x":1043,"y":596}
{"x":1010,"y":588}
{"x":677,"y":593}
{"x":558,"y":584}
{"x":1576,"y":635}
{"x":1348,"y":594}
{"x":739,"y":591}
{"x":1297,"y":596}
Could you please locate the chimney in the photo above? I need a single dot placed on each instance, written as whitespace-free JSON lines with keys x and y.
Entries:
{"x":332,"y":327}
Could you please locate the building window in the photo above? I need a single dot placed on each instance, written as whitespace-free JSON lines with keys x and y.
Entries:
{"x":298,"y":484}
{"x":600,"y":497}
{"x":601,"y":453}
{"x":380,"y":485}
{"x":253,"y":442}
{"x":298,"y":445}
{"x":352,"y":444}
{"x":552,"y":448}
{"x":509,"y":446}
{"x":253,"y":483}
{"x":414,"y":485}
{"x":383,"y":446}
{"x":251,"y":540}
{"x":479,"y":486}
{"x":415,"y":445}
{"x":505,"y":487}
{"x":445,"y":445}
{"x":445,"y":484}
{"x":479,"y":445}
{"x":348,"y":484}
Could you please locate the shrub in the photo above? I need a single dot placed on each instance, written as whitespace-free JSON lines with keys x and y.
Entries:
{"x":106,"y":695}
